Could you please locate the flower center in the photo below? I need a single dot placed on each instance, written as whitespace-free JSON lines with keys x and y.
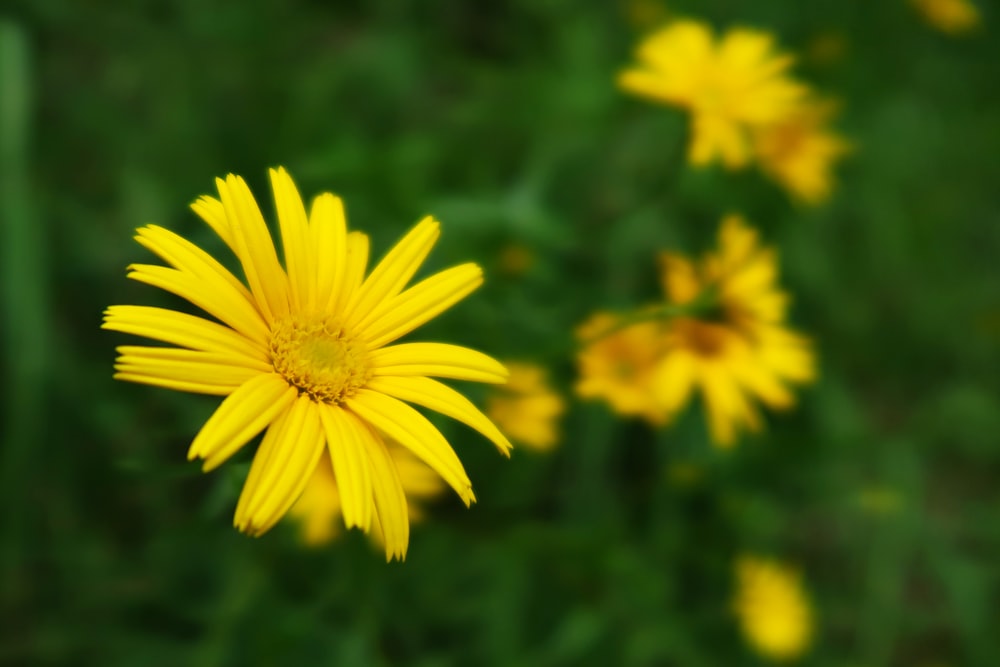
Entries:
{"x":316,"y":355}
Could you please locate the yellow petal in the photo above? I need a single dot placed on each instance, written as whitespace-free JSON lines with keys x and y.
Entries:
{"x":213,"y":212}
{"x":674,"y":379}
{"x":390,"y":501}
{"x":285,"y":468}
{"x":355,"y":265}
{"x":181,"y":329}
{"x":433,"y":395}
{"x":348,"y":441}
{"x":437,"y":359}
{"x":294,"y":228}
{"x":419,"y":304}
{"x":255,"y":248}
{"x":214,"y":373}
{"x":223,"y":303}
{"x":244,"y":414}
{"x":186,"y":256}
{"x":395,"y":270}
{"x":412,"y":430}
{"x":328,"y":242}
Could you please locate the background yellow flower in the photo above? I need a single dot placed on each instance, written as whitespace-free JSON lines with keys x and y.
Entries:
{"x":774,"y":612}
{"x":526,"y":408}
{"x":955,"y":17}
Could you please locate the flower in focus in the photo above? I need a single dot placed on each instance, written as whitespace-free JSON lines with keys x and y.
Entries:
{"x":728,"y":86}
{"x":954,"y":17}
{"x":526,"y":408}
{"x":304,"y":351}
{"x":773,"y":610}
{"x":739,"y":350}
{"x":618,"y":364}
{"x":721,"y":332}
{"x":319,"y":511}
{"x":799,"y":152}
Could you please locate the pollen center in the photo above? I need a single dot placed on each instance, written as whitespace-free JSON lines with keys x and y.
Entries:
{"x":317,"y":356}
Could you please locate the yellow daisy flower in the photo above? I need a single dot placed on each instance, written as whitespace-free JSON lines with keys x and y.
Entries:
{"x":304,"y":351}
{"x":773,"y":609}
{"x":738,"y":351}
{"x":319,"y":510}
{"x":727,"y":86}
{"x":526,"y":408}
{"x":618,"y":364}
{"x":799,"y":152}
{"x":954,"y":17}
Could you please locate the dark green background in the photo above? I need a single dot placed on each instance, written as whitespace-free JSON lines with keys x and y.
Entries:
{"x":501,"y":118}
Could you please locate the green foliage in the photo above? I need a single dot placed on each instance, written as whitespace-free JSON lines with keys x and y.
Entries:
{"x":502,"y":119}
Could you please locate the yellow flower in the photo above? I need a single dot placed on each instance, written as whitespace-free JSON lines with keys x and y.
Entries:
{"x":728,"y":87}
{"x":619,"y":365}
{"x":318,"y":510}
{"x":951,"y":16}
{"x":304,"y":351}
{"x":526,"y":408}
{"x":799,"y":151}
{"x":773,"y":610}
{"x":738,"y":351}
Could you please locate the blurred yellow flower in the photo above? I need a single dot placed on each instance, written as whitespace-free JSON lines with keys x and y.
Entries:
{"x":954,"y":17}
{"x":799,"y":152}
{"x":303,"y":351}
{"x":619,"y":365}
{"x":721,"y":331}
{"x":773,"y":610}
{"x":526,"y":408}
{"x":727,"y":86}
{"x":319,"y":511}
{"x":740,"y":349}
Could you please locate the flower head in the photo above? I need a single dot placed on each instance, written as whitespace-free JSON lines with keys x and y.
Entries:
{"x":738,"y":350}
{"x":728,"y":86}
{"x":527,"y":408}
{"x":954,"y":17}
{"x":799,"y":151}
{"x":772,"y":608}
{"x":304,"y":351}
{"x":319,"y":509}
{"x":720,"y":332}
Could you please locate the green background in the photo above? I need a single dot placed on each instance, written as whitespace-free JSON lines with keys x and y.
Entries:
{"x":501,"y":118}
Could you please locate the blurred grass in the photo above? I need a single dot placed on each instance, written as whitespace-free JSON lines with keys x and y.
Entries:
{"x":502,"y":120}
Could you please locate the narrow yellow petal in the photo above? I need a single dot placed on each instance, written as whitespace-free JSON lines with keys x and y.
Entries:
{"x":674,"y":379}
{"x":355,"y":265}
{"x":433,"y":395}
{"x":255,"y":248}
{"x":190,"y":331}
{"x":206,"y":369}
{"x":177,"y":385}
{"x":412,"y":430}
{"x":285,"y":469}
{"x":395,"y":270}
{"x":437,"y":359}
{"x":348,"y":441}
{"x":294,"y":228}
{"x":390,"y":501}
{"x":328,"y":244}
{"x":419,"y":304}
{"x":186,"y":256}
{"x":240,"y":417}
{"x":168,"y":355}
{"x":213,"y":212}
{"x":225,"y":304}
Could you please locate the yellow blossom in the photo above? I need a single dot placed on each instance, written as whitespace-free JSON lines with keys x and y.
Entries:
{"x":319,"y":511}
{"x":773,"y":610}
{"x":799,"y":152}
{"x":728,"y":86}
{"x":526,"y":408}
{"x":304,"y":351}
{"x":740,"y":350}
{"x":954,"y":17}
{"x":620,"y":366}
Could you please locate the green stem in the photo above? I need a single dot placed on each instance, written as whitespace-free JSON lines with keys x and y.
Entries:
{"x":704,"y":303}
